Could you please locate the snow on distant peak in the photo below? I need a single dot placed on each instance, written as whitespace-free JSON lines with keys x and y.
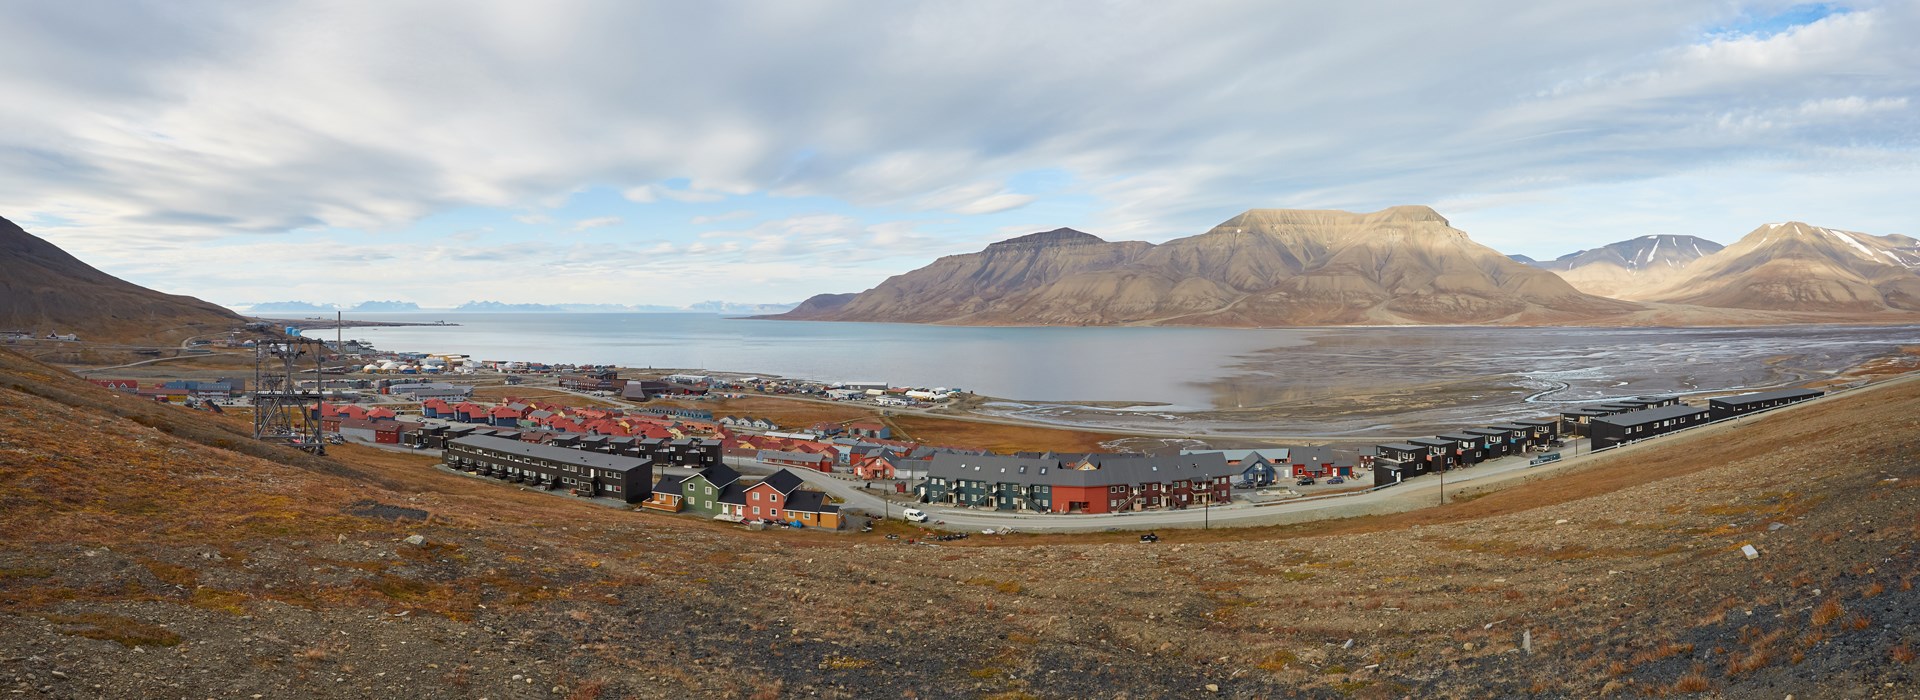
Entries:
{"x":1865,"y":252}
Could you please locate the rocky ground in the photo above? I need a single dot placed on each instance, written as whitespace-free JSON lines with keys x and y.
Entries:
{"x":144,"y":558}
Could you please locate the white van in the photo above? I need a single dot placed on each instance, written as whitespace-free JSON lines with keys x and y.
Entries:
{"x":914,"y":515}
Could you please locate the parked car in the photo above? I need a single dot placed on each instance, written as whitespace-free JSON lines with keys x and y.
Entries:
{"x":914,"y":515}
{"x":1337,"y":480}
{"x":1304,"y":481}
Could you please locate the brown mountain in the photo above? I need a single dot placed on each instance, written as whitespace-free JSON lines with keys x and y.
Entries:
{"x":1266,"y":267}
{"x":45,"y":290}
{"x":1799,"y":267}
{"x":1627,"y":269}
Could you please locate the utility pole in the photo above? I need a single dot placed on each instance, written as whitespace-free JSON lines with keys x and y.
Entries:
{"x":1443,"y":487}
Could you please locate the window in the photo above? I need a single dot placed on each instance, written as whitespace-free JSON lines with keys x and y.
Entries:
{"x":756,"y":510}
{"x":756,"y":496}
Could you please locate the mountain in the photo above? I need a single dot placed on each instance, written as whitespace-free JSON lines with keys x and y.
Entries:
{"x":1795,"y":266}
{"x":1522,"y":259}
{"x":732,"y":307}
{"x":289,"y":307}
{"x":385,"y":306}
{"x":1628,"y":268}
{"x":43,"y":289}
{"x":1265,"y":267}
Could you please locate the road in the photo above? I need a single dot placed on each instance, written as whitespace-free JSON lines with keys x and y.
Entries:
{"x":1419,"y":492}
{"x":1416,"y":493}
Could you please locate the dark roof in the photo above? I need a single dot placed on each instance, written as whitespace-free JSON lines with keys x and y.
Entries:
{"x":1458,"y":437}
{"x":810,"y":502}
{"x":1510,"y":427}
{"x":720,"y":475}
{"x":670,"y":483}
{"x":1651,"y":415}
{"x":783,"y":481}
{"x":1432,"y":442}
{"x":596,"y":460}
{"x":1764,"y":396}
{"x":1487,"y":432}
{"x":1404,"y":447}
{"x":1537,"y":422}
{"x":1114,"y":469}
{"x":734,"y":493}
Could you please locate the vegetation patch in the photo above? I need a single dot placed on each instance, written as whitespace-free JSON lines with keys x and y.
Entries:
{"x":125,"y":631}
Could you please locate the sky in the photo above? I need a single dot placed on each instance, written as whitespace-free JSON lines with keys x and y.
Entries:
{"x":670,"y":153}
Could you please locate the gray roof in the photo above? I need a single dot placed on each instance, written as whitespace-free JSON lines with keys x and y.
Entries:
{"x":764,"y":455}
{"x":1273,"y":454}
{"x":1487,"y":432}
{"x":783,"y":481}
{"x":596,"y":460}
{"x":1762,"y":396}
{"x":1114,"y":469}
{"x":1510,"y":427}
{"x":1318,"y":454}
{"x":670,"y":483}
{"x":1651,"y":415}
{"x":1403,"y":447}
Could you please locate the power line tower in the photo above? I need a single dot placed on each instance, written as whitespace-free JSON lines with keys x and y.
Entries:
{"x":283,"y":412}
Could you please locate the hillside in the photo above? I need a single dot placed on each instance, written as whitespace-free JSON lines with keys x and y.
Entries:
{"x":188,"y":569}
{"x":1626,"y":269}
{"x":1265,"y":267}
{"x":44,"y":290}
{"x":1799,"y":267}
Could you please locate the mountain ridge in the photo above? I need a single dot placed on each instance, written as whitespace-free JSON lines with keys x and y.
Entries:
{"x":46,"y":289}
{"x":1403,"y":264}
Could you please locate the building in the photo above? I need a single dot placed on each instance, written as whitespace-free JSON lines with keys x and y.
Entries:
{"x":870,"y":429}
{"x":1440,"y":453}
{"x":1258,"y":468}
{"x":586,"y":474}
{"x":805,"y":460}
{"x":667,"y":496}
{"x":1470,"y":449}
{"x":766,"y":500}
{"x":1094,"y":483}
{"x":810,"y":508}
{"x":1645,"y":402}
{"x":706,"y":490}
{"x":593,"y":380}
{"x":1616,"y":430}
{"x":126,"y":385}
{"x":1729,"y":406}
{"x":1514,"y":439}
{"x":1541,"y":432}
{"x":1399,"y":461}
{"x":876,"y":466}
{"x":1316,"y":462}
{"x":642,"y":389}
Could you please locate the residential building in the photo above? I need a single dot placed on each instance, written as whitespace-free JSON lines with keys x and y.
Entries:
{"x":805,"y":460}
{"x":1262,"y":467}
{"x":870,"y":429}
{"x":1317,"y":462}
{"x":587,"y":474}
{"x":1611,"y":431}
{"x":1730,"y":406}
{"x":704,"y":491}
{"x":1094,"y":483}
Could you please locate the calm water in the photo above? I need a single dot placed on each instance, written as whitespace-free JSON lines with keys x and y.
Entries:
{"x":1317,"y":379}
{"x":1168,"y":365}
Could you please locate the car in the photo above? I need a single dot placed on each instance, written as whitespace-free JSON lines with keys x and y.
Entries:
{"x":914,"y":515}
{"x":1304,"y":481}
{"x":1336,"y":480}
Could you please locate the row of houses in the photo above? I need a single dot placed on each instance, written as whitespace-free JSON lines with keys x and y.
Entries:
{"x":1399,"y":461}
{"x":179,"y":390}
{"x":1084,"y":483}
{"x":679,"y":452}
{"x":719,"y":491}
{"x":1267,"y":466}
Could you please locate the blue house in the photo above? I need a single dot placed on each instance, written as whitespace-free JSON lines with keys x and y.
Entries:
{"x":1257,"y":467}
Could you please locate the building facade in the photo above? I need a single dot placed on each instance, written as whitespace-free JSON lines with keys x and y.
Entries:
{"x":586,"y":474}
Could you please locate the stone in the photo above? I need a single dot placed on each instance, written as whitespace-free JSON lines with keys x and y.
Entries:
{"x":1213,"y":687}
{"x":416,"y":540}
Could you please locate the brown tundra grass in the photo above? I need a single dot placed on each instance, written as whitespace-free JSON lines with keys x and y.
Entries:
{"x":1827,"y":613}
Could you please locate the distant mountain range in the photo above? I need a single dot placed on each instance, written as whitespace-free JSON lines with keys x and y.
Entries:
{"x":1403,"y":265}
{"x":1624,"y":269}
{"x":45,"y":290}
{"x":1266,"y":267}
{"x":302,"y":307}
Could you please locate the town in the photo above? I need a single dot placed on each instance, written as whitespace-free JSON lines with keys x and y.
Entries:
{"x":634,"y":442}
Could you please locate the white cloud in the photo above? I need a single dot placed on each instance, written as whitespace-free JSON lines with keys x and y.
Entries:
{"x":145,"y":128}
{"x":595,"y":222}
{"x":715,"y":218}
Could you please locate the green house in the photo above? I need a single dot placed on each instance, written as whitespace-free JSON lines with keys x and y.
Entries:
{"x":701,"y":492}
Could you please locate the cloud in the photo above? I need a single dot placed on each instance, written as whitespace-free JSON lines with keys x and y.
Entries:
{"x":157,"y":131}
{"x":595,"y":222}
{"x":715,"y":218}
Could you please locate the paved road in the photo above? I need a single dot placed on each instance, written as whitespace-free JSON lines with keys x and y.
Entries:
{"x":1415,"y":493}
